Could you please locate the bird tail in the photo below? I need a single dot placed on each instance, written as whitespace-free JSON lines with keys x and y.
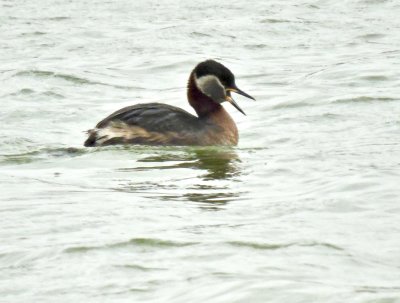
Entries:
{"x":91,"y":140}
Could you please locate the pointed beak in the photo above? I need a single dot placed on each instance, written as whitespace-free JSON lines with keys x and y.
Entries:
{"x":233,"y":102}
{"x":240,"y":92}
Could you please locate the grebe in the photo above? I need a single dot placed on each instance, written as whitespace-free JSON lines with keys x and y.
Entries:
{"x":210,"y":84}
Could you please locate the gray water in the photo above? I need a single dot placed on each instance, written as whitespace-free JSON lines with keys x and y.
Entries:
{"x":304,"y":209}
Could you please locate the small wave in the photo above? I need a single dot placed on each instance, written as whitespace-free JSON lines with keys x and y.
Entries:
{"x":36,"y":33}
{"x":40,"y":154}
{"x":28,"y":91}
{"x":292,"y":105}
{"x":259,"y":245}
{"x":371,"y":36}
{"x":48,"y":74}
{"x":137,"y":242}
{"x":375,"y":78}
{"x":255,"y":46}
{"x":66,"y":77}
{"x":270,"y":20}
{"x":59,"y":18}
{"x":364,"y":99}
{"x":166,"y":66}
{"x":25,"y":91}
{"x":199,"y":34}
{"x":138,"y":267}
{"x":377,"y":289}
{"x":268,"y":246}
{"x":53,"y":94}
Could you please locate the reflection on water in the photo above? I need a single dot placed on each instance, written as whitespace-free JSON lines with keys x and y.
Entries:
{"x":197,"y":174}
{"x":217,"y":197}
{"x":218,"y":164}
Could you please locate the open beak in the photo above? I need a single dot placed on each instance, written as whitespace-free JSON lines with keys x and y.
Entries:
{"x":240,"y":92}
{"x":233,"y":102}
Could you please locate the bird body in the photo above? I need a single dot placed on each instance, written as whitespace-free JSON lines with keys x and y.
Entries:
{"x":162,"y":124}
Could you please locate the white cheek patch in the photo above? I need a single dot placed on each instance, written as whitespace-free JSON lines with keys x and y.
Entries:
{"x":211,"y":86}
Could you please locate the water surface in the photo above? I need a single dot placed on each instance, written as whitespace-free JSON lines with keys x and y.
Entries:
{"x":304,"y":209}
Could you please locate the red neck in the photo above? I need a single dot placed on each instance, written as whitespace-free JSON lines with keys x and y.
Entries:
{"x":202,"y":104}
{"x":209,"y":110}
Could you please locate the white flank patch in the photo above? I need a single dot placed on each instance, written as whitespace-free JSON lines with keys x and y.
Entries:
{"x":129,"y":132}
{"x":104,"y":134}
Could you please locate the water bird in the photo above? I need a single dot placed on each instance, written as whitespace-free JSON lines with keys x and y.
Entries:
{"x":210,"y":84}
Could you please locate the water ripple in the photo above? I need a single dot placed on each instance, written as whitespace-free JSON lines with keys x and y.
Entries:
{"x":137,"y":242}
{"x":268,"y":246}
{"x":40,"y":154}
{"x":362,"y":99}
{"x":69,"y":78}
